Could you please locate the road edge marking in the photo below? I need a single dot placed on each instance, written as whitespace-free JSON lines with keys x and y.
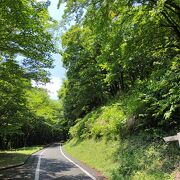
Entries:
{"x":88,"y":174}
{"x":38,"y":166}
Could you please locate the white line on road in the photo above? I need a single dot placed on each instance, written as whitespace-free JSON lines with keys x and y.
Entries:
{"x":38,"y":166}
{"x":88,"y":174}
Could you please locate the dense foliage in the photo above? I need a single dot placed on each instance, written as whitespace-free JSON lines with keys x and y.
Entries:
{"x":24,"y":31}
{"x":117,"y":46}
{"x":12,"y":93}
{"x":27,"y":115}
{"x":130,"y":49}
{"x":112,"y":49}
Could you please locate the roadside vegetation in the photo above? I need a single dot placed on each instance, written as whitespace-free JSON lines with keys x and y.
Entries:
{"x":123,"y":85}
{"x":132,"y":158}
{"x":121,"y":92}
{"x":108,"y":143}
{"x":27,"y":114}
{"x":16,"y":156}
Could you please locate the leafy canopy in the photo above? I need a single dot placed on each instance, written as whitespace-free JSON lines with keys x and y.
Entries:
{"x":24,"y":32}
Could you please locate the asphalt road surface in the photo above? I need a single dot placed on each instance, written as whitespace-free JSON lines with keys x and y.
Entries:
{"x":49,"y":163}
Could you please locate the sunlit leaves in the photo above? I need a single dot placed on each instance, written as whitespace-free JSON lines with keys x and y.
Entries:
{"x":131,"y":43}
{"x":24,"y":31}
{"x":84,"y":88}
{"x":12,"y":98}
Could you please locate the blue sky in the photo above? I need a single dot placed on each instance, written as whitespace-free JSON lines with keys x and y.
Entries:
{"x":58,"y":73}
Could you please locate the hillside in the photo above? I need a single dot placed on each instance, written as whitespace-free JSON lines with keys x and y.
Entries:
{"x":121,"y":95}
{"x":107,"y":139}
{"x":121,"y":92}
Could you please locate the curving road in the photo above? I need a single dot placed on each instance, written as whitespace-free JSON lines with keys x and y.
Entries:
{"x":49,"y":163}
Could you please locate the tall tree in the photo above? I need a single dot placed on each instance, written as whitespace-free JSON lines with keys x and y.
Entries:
{"x":26,"y":47}
{"x":12,"y":101}
{"x":85,"y":84}
{"x":136,"y":41}
{"x":24,"y":31}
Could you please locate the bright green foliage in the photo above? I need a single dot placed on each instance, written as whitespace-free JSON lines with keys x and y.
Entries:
{"x":162,"y":98}
{"x":137,"y":157}
{"x":142,"y":155}
{"x":40,"y":103}
{"x":84,"y":88}
{"x":105,"y":121}
{"x":25,"y":112}
{"x":123,"y":44}
{"x":12,"y":101}
{"x":43,"y":119}
{"x":24,"y":31}
{"x":26,"y":47}
{"x":108,"y":121}
{"x":135,"y":49}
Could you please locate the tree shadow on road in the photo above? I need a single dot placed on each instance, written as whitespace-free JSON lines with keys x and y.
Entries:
{"x":9,"y":159}
{"x":60,"y":169}
{"x":25,"y":171}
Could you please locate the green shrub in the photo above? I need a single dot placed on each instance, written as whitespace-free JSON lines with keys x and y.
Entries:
{"x":143,"y":158}
{"x":161,"y":99}
{"x":108,"y":121}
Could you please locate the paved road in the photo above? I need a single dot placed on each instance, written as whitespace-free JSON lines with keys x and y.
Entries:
{"x":46,"y":164}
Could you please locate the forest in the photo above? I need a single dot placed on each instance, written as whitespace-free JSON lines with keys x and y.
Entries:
{"x":117,"y":47}
{"x":121,"y":95}
{"x":122,"y":61}
{"x":27,"y":114}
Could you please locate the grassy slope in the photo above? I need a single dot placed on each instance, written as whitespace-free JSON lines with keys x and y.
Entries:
{"x":140,"y":156}
{"x":18,"y":156}
{"x":97,"y":154}
{"x":132,"y":158}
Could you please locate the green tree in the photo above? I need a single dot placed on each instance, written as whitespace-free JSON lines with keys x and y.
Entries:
{"x":84,"y":89}
{"x":12,"y":101}
{"x":137,"y":42}
{"x":26,"y":47}
{"x":24,"y":31}
{"x":44,"y":119}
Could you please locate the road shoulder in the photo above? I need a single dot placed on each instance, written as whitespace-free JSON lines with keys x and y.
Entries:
{"x":98,"y":175}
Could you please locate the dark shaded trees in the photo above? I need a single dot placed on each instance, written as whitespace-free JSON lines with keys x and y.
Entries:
{"x":85,"y":86}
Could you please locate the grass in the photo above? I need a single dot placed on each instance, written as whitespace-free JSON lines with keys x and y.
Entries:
{"x":17,"y":156}
{"x":134,"y":158}
{"x":105,"y":140}
{"x":143,"y":157}
{"x":97,"y":154}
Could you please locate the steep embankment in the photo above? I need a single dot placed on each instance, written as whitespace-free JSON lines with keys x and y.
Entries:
{"x":107,"y":141}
